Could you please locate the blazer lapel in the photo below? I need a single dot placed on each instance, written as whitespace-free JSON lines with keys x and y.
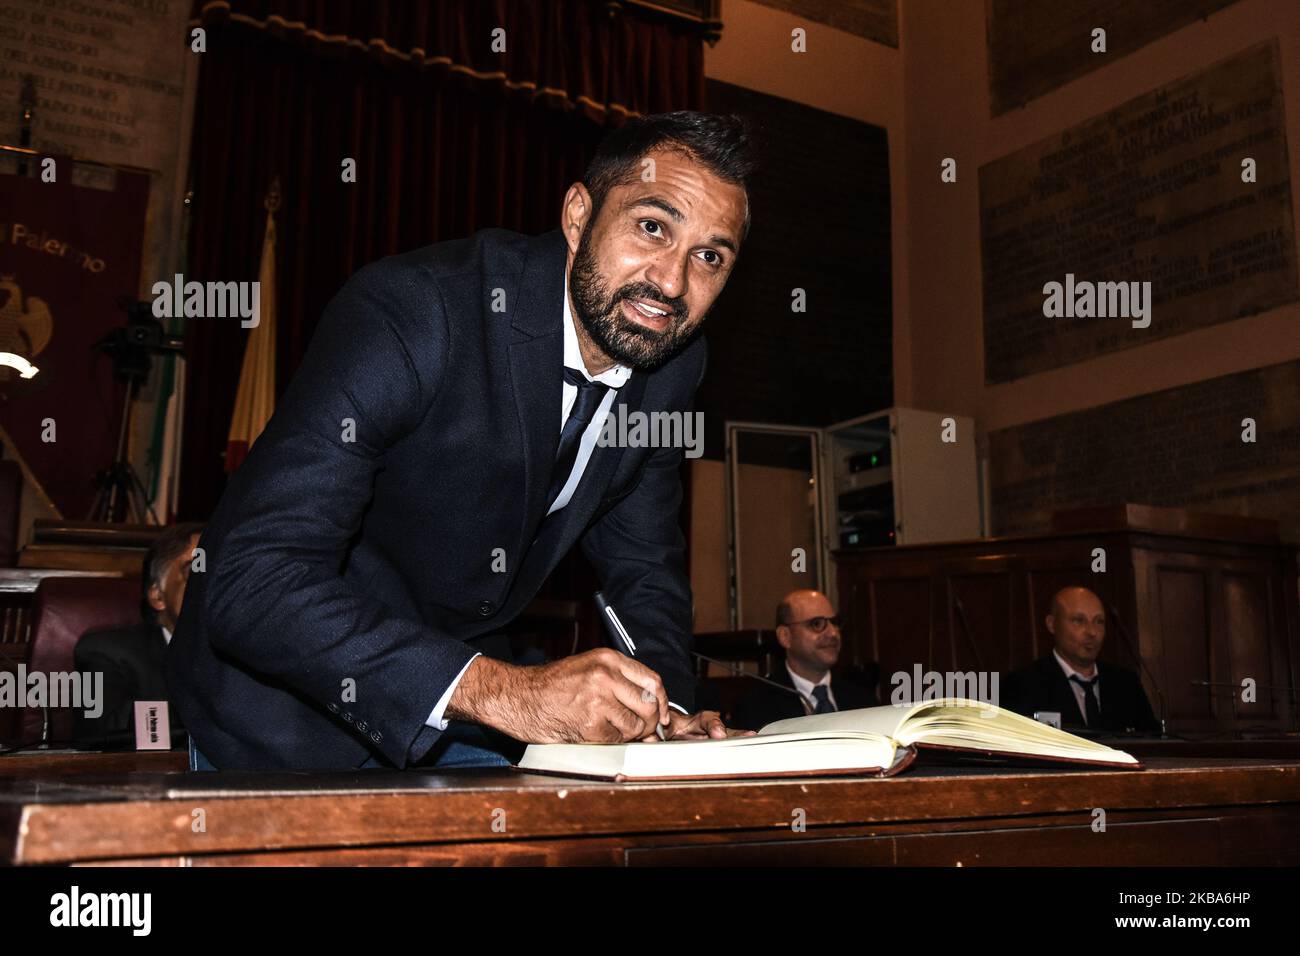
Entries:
{"x":536,"y":355}
{"x":536,"y":360}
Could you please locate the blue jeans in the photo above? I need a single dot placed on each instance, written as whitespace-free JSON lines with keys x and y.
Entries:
{"x":464,"y":744}
{"x":460,"y":745}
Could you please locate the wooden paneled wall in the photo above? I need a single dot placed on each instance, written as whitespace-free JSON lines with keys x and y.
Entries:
{"x":1206,"y":602}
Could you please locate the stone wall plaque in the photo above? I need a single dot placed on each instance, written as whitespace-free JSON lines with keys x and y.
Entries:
{"x":1036,"y":46}
{"x":1149,"y":192}
{"x":871,"y":19}
{"x":1181,"y":447}
{"x":109,"y":85}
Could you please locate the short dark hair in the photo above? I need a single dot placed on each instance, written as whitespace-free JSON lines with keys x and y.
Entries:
{"x":722,"y":144}
{"x":166,"y":548}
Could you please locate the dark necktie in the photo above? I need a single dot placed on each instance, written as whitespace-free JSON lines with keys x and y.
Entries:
{"x":822,"y":693}
{"x":1092,"y":708}
{"x":590,"y":395}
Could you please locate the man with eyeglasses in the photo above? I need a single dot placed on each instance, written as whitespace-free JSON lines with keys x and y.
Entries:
{"x":1071,"y":682}
{"x":809,"y":631}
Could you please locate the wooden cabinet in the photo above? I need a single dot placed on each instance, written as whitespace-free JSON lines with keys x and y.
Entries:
{"x":1206,"y":602}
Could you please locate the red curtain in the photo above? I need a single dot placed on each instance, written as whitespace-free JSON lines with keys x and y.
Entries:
{"x":448,"y":137}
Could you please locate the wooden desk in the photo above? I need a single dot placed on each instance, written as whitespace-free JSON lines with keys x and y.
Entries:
{"x":62,"y":763}
{"x":1179,"y":812}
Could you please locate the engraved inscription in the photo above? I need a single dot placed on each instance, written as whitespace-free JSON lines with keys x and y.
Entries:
{"x":1152,"y":191}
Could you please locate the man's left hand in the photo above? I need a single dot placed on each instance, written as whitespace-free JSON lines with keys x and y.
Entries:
{"x":705,"y":725}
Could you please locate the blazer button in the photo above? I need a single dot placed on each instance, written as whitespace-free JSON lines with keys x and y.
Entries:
{"x":376,"y":736}
{"x":332,"y":707}
{"x":486,"y":608}
{"x":362,"y":726}
{"x":347,"y":717}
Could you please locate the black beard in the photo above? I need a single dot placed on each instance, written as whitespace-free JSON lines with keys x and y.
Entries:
{"x":614,"y":333}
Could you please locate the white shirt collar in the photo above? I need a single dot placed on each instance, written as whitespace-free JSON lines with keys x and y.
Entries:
{"x":1096,"y":671}
{"x":805,"y":686}
{"x":613,"y":377}
{"x":167,"y":634}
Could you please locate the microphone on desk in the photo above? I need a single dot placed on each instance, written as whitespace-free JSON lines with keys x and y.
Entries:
{"x":735,"y":669}
{"x":1122,"y":631}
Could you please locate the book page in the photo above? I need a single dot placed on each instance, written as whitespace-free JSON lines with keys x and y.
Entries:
{"x":792,"y":754}
{"x":974,"y":724}
{"x":808,"y":753}
{"x":884,"y":721}
{"x":951,"y":722}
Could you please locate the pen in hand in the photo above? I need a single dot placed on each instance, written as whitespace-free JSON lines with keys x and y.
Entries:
{"x":622,"y":640}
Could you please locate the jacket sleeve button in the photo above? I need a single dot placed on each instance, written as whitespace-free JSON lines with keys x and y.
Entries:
{"x":486,"y":608}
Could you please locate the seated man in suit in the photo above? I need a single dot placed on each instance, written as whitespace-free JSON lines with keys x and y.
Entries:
{"x":806,"y":626}
{"x":131,"y":660}
{"x":1072,"y":682}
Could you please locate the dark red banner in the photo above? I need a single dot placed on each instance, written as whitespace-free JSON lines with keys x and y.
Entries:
{"x":66,"y":254}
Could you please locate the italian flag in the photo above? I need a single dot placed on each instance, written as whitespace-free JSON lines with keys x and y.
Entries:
{"x":255,"y":400}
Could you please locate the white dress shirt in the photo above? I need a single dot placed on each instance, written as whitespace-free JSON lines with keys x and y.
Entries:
{"x":167,"y":634}
{"x":614,"y":377}
{"x":1080,"y":691}
{"x":805,"y":689}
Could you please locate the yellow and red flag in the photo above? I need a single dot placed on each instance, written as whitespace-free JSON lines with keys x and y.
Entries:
{"x":255,"y":400}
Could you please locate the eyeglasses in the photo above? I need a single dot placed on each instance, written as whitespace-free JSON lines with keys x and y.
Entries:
{"x":818,"y":624}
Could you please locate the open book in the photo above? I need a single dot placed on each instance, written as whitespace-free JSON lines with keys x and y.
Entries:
{"x":874,"y":741}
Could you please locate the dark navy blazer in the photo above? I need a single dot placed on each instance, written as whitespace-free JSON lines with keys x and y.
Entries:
{"x":347,"y":583}
{"x":1043,"y":686}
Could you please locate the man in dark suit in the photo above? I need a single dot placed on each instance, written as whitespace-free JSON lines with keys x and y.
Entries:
{"x":438,"y":452}
{"x":131,"y":660}
{"x":809,"y":632}
{"x":1071,"y":682}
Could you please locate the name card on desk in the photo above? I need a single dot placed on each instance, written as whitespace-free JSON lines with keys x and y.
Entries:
{"x":152,"y":725}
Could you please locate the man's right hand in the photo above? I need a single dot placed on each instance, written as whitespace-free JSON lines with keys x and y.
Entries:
{"x":599,"y":696}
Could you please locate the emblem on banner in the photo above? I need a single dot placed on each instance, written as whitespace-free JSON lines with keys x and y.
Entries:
{"x":24,"y":332}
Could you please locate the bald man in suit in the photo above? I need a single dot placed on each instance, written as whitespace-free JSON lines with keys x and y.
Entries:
{"x":809,"y":631}
{"x":1087,"y":693}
